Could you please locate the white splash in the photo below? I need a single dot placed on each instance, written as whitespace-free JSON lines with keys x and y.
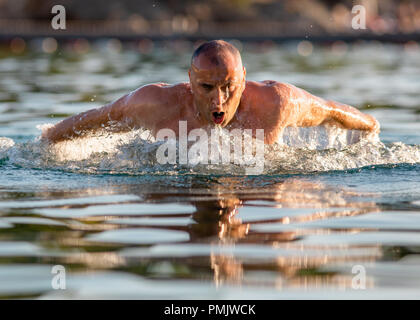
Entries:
{"x":324,"y":137}
{"x":5,"y":144}
{"x":303,"y":150}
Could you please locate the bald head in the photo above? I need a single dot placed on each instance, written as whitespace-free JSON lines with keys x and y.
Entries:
{"x":217,"y":80}
{"x":216,"y":54}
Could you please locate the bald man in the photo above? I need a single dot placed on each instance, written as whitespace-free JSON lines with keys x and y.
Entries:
{"x":216,"y":95}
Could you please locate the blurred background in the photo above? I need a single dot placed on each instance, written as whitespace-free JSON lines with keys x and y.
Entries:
{"x":388,"y":20}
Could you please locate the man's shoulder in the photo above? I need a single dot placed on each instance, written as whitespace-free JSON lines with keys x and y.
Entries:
{"x":161,"y":92}
{"x":162,"y":88}
{"x":269,"y":91}
{"x":169,"y":87}
{"x":266,"y":84}
{"x":269,"y":100}
{"x":156,"y":103}
{"x":269,"y":86}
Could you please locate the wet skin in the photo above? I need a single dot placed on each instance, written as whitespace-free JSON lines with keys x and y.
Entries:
{"x":217,"y":95}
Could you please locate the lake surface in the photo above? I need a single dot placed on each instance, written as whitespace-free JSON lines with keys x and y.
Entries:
{"x":321,"y":222}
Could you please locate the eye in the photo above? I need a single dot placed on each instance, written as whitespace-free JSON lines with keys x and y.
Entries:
{"x":230,"y":86}
{"x":207,"y":86}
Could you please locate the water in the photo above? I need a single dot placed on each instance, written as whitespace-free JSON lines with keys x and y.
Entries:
{"x":124,"y":226}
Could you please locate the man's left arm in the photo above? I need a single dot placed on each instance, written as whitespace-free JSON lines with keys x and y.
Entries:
{"x":306,"y":110}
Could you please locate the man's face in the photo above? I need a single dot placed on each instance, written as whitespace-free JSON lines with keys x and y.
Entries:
{"x":217,"y":90}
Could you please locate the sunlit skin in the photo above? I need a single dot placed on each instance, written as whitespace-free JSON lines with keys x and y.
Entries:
{"x":217,"y":94}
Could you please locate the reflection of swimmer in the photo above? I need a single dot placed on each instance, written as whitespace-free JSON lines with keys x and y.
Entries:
{"x":218,"y":214}
{"x":217,"y":94}
{"x":220,"y":225}
{"x":219,"y":222}
{"x":218,"y":217}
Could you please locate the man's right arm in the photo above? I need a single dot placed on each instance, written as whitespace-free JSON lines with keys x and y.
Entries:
{"x":124,"y":114}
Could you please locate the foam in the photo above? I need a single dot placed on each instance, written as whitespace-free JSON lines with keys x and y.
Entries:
{"x":300,"y":150}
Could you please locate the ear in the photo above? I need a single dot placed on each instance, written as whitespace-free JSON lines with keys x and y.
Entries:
{"x":244,"y":72}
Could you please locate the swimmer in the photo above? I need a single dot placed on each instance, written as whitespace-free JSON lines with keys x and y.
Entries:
{"x":217,"y":94}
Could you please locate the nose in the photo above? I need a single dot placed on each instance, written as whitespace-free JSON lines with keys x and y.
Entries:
{"x":219,"y":97}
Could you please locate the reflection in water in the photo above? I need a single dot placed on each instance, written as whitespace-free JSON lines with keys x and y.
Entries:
{"x":277,"y":233}
{"x":218,"y":218}
{"x":234,"y":245}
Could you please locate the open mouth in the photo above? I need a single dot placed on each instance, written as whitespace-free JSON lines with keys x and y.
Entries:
{"x":218,"y":117}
